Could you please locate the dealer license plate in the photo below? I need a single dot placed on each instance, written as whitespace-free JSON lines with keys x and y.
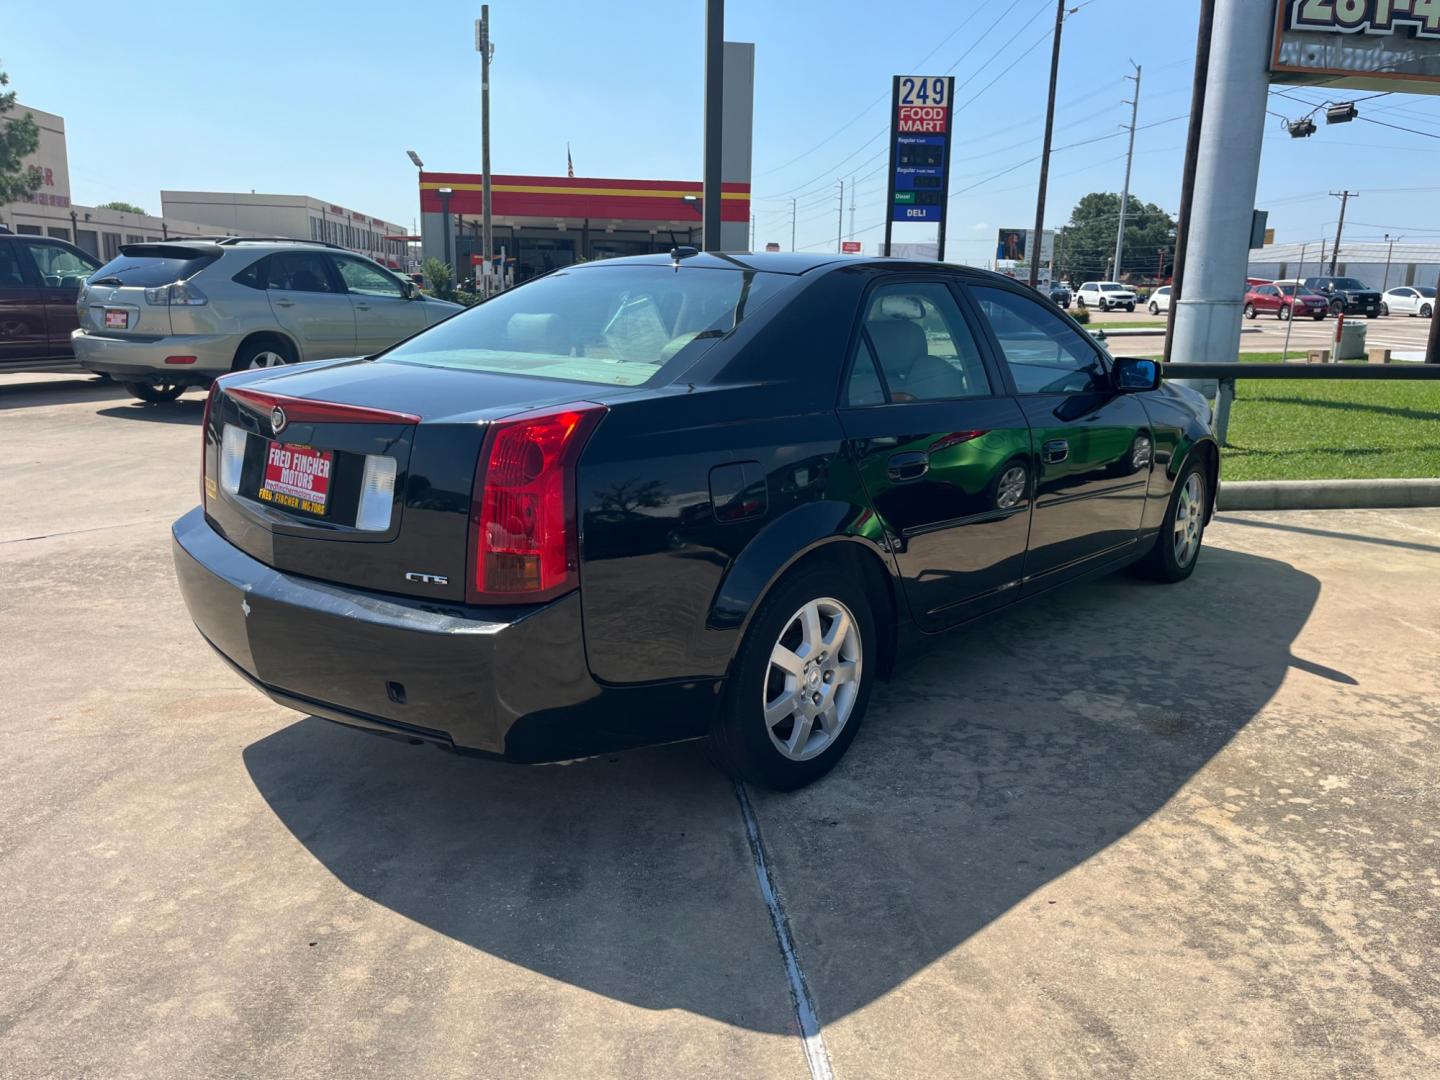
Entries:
{"x":297,"y":477}
{"x":116,"y":319}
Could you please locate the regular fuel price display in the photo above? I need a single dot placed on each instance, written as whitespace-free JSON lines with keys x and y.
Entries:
{"x":920,"y":150}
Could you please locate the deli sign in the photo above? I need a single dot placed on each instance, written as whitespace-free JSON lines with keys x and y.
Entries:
{"x":921,"y":111}
{"x":1358,"y":44}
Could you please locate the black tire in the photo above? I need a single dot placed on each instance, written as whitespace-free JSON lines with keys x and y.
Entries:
{"x":1080,"y":302}
{"x":1249,"y":311}
{"x":1384,"y":308}
{"x":1319,"y":318}
{"x":1162,"y":564}
{"x":1337,"y":307}
{"x":1284,"y":313}
{"x":1130,"y":307}
{"x":152,"y":393}
{"x":1426,"y":311}
{"x":740,"y":742}
{"x":1154,"y":308}
{"x":252,"y":352}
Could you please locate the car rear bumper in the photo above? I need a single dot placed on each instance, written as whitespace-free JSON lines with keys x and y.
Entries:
{"x":130,"y":358}
{"x":509,"y":682}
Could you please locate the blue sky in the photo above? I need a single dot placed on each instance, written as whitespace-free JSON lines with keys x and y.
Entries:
{"x":325,"y":98}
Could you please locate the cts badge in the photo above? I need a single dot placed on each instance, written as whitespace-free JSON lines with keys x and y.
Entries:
{"x":427,"y":579}
{"x":277,"y":420}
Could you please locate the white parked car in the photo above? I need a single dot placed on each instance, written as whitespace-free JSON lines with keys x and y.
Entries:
{"x":1160,"y":300}
{"x":1105,"y":295}
{"x":1408,"y":300}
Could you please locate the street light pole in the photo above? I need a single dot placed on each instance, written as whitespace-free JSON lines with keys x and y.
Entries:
{"x":486,"y":50}
{"x":840,"y":219}
{"x":1037,"y":239}
{"x":1344,"y":197}
{"x":1391,"y":240}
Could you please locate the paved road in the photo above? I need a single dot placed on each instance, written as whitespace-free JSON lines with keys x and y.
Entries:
{"x":1267,"y":334}
{"x":1126,"y":831}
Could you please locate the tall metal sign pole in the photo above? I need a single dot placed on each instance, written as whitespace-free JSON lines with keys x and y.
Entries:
{"x":1049,"y":135}
{"x":921,"y":110}
{"x":714,"y":117}
{"x":486,"y":50}
{"x":1344,"y":197}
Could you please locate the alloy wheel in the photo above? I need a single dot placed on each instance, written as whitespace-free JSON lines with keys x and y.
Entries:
{"x":1189,"y":520}
{"x":266,"y":359}
{"x":813,"y":679}
{"x":1011,"y":488}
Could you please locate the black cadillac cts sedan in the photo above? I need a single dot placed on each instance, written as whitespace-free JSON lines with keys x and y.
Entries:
{"x":660,"y":498}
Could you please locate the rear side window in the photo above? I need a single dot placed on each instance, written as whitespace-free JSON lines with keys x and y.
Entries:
{"x":299,"y":271}
{"x":160,"y":264}
{"x":924,"y":348}
{"x":609,"y":325}
{"x":11,"y":275}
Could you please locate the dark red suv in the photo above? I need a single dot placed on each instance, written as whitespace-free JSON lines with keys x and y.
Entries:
{"x":40,"y":279}
{"x":1281,"y":300}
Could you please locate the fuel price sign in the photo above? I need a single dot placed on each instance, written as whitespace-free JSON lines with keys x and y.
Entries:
{"x":921,"y":109}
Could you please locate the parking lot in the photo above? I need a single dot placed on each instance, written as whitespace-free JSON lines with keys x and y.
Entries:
{"x":1125,"y":830}
{"x":1400,"y":333}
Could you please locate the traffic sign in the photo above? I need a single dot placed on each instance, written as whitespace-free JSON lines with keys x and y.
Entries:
{"x":850,"y":247}
{"x":920,"y":137}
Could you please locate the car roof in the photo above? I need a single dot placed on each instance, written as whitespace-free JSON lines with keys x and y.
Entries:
{"x":799,"y":262}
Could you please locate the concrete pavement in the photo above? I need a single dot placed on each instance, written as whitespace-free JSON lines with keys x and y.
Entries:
{"x":1127,"y":830}
{"x":1267,"y":333}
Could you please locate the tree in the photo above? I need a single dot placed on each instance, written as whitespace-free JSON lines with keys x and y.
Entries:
{"x":440,"y":278}
{"x":19,"y":137}
{"x":123,"y":207}
{"x":1085,"y":247}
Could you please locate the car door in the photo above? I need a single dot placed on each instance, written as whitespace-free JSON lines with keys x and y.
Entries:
{"x":1093,"y":447}
{"x":942,"y":450}
{"x":1403,"y":301}
{"x":22,"y":306}
{"x":61,"y":271}
{"x":384,"y":314}
{"x":309,"y":302}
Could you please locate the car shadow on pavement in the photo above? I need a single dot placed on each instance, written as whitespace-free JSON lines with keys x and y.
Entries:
{"x":992,"y":765}
{"x":51,"y":391}
{"x":186,"y":410}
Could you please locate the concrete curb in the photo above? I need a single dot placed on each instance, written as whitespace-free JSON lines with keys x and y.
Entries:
{"x":1327,"y":494}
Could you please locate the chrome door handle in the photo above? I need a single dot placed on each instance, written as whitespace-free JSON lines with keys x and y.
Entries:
{"x":1055,"y":451}
{"x":284,"y":303}
{"x":911,"y":465}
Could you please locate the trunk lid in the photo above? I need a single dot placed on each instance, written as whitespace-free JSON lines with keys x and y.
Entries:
{"x":387,"y":452}
{"x":114,"y":303}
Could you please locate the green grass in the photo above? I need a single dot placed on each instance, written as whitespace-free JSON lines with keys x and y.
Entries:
{"x":1137,"y":324}
{"x":1292,"y":430}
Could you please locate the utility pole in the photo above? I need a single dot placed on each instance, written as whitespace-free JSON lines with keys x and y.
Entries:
{"x":840,"y":219}
{"x":1037,"y":238}
{"x":486,"y":50}
{"x":714,"y":120}
{"x":1389,"y":255}
{"x":1344,"y":197}
{"x":792,"y":224}
{"x":852,"y":208}
{"x":1129,"y":160}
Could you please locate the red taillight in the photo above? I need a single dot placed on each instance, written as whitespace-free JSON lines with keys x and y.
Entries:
{"x":524,"y":537}
{"x":205,"y":440}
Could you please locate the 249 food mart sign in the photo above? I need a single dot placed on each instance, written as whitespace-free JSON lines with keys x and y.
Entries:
{"x":921,"y":112}
{"x":1358,"y":44}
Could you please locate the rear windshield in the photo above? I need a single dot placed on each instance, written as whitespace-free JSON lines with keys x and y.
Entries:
{"x":153,"y":265}
{"x":1426,"y":292}
{"x":613,"y":326}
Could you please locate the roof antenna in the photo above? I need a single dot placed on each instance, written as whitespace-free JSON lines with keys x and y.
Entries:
{"x":684,"y":251}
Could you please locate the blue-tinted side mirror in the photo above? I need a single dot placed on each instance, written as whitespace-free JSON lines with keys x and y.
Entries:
{"x":1133,"y":375}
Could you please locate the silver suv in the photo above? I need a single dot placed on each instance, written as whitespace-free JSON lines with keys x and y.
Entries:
{"x":162,"y":317}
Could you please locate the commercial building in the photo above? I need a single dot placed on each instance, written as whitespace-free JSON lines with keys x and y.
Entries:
{"x":50,"y":212}
{"x":544,"y":222}
{"x":1382,"y":265}
{"x":301,"y":217}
